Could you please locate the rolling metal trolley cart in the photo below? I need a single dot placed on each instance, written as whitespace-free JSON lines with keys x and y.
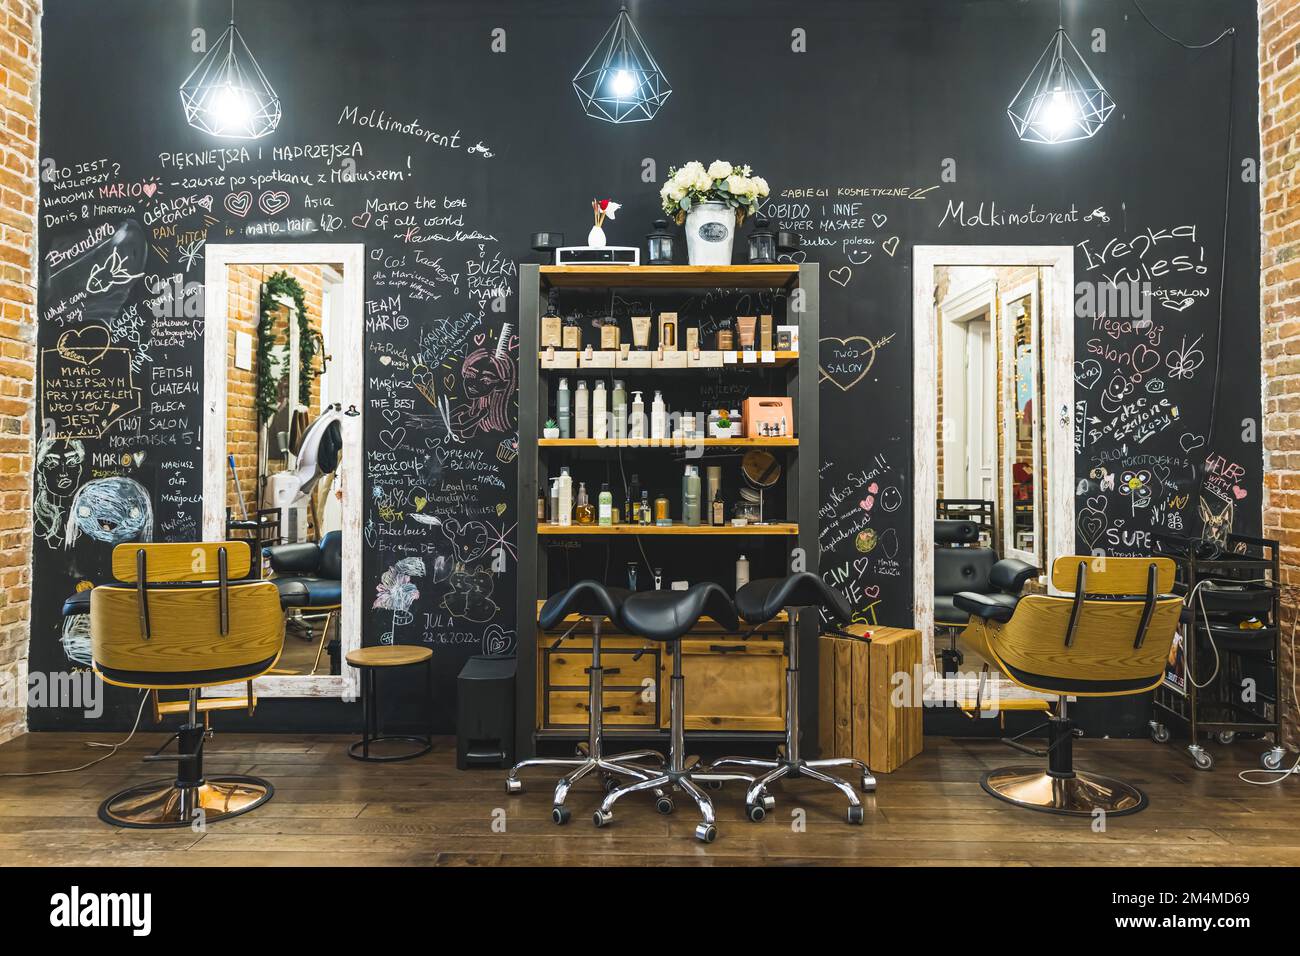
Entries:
{"x":1223,"y":677}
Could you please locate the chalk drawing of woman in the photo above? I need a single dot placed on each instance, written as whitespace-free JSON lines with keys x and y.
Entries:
{"x":58,"y":474}
{"x":490,"y":385}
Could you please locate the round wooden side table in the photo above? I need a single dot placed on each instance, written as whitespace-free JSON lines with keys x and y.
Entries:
{"x":369,"y":661}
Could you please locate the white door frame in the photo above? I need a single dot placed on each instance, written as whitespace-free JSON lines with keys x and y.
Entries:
{"x":979,"y":300}
{"x":1007,"y":348}
{"x":1059,"y":349}
{"x":348,"y":353}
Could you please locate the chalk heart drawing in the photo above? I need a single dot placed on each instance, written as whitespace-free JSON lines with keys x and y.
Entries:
{"x":879,"y":219}
{"x":871,"y":590}
{"x":1190,"y":442}
{"x":391,"y":415}
{"x":501,"y":508}
{"x":274,"y":202}
{"x":1087,"y":373}
{"x":1238,"y":492}
{"x":497,"y":641}
{"x":860,"y":565}
{"x":238,"y":204}
{"x":1178,"y":305}
{"x":1092,"y":523}
{"x":873,"y":488}
{"x":361,"y":221}
{"x":868,"y":349}
{"x":1145,"y":359}
{"x":867,"y":503}
{"x":840,"y":276}
{"x":890,"y":246}
{"x":149,"y":189}
{"x":85,"y":346}
{"x":797,"y":257}
{"x":206,"y":203}
{"x":392,"y":438}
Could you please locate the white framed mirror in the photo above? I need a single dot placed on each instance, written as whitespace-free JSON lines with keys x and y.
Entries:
{"x":282,"y":441}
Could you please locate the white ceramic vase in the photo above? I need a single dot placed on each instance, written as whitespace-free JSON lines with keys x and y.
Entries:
{"x":596,"y":238}
{"x":710,"y":232}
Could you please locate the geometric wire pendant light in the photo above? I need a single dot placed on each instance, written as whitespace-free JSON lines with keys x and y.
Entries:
{"x":227,"y":94}
{"x":621,"y":82}
{"x":1061,"y":100}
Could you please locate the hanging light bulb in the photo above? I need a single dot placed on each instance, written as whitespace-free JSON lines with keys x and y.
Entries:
{"x":621,"y":82}
{"x":227,"y":94}
{"x":1061,"y":100}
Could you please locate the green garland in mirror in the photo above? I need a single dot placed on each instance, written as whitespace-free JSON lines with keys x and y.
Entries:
{"x":282,"y":284}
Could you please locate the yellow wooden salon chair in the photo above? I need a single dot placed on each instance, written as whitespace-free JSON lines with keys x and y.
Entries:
{"x":1109,"y":637}
{"x":183,"y":617}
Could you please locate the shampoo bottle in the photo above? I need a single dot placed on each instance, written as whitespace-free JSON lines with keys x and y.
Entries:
{"x":691,"y":496}
{"x":605,"y":511}
{"x":742,"y":572}
{"x":619,"y":403}
{"x":636,"y":426}
{"x":565,"y":495}
{"x":658,"y":417}
{"x":582,"y":409}
{"x":599,"y":423}
{"x":563,"y":412}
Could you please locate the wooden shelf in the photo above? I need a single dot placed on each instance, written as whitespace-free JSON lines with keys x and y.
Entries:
{"x":668,"y":443}
{"x":670,"y":277}
{"x":781,"y":359}
{"x":772,"y":528}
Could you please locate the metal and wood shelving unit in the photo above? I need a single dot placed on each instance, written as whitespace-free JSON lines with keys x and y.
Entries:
{"x":1223,"y":586}
{"x":541,"y":682}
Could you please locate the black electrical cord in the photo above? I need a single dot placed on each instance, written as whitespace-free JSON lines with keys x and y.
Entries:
{"x":1227,"y":33}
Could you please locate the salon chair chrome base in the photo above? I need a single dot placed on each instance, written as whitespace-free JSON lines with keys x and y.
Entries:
{"x":665,"y":616}
{"x":1060,"y":788}
{"x":1078,"y":796}
{"x":162,"y":804}
{"x":591,"y":757}
{"x":759,"y":602}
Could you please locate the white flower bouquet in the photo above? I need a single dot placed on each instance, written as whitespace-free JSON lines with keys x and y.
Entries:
{"x":692,"y":184}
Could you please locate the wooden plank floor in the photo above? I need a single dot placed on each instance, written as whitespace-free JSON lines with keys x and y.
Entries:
{"x":331,"y":810}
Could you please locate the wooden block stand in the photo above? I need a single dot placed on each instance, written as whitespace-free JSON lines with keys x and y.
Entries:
{"x":856,"y":714}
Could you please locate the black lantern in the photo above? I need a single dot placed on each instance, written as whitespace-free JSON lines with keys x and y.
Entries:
{"x":762,"y":242}
{"x":660,"y":242}
{"x":787,"y":241}
{"x":545,"y":243}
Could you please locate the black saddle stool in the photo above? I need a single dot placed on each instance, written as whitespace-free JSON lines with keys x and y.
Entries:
{"x":758,"y":602}
{"x":666,"y":616}
{"x":369,"y":661}
{"x":590,"y":601}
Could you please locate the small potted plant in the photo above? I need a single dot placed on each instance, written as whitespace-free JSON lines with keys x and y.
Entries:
{"x":711,"y":202}
{"x":722,"y":427}
{"x":550,"y":429}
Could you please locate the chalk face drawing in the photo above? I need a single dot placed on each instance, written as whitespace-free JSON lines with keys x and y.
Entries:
{"x":110,"y":510}
{"x":59,"y":467}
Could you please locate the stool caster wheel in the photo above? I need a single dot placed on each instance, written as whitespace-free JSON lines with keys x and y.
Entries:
{"x":1159,"y":732}
{"x":514,"y":786}
{"x":868,"y":783}
{"x":856,"y":814}
{"x":560,"y":815}
{"x":1272,"y":759}
{"x":706,"y":832}
{"x":664,"y":805}
{"x":756,"y":812}
{"x":602,"y":818}
{"x":1226,"y":737}
{"x":1201,"y":757}
{"x":711,"y":784}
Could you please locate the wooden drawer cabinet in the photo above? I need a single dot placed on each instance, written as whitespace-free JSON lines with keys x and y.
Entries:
{"x":732,"y":683}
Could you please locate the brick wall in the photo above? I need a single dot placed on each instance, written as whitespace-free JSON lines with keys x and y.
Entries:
{"x":19,"y":68}
{"x":1279,"y":101}
{"x":244,"y":283}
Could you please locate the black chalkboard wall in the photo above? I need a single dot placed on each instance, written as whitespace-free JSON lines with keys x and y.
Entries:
{"x":852,"y":134}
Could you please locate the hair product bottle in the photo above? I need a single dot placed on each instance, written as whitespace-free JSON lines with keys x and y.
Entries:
{"x":582,"y":411}
{"x":563,"y":412}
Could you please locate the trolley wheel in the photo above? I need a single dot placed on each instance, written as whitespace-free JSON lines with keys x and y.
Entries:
{"x":1202,"y":759}
{"x":1226,"y":737}
{"x":664,"y":804}
{"x":1271,"y":759}
{"x":706,"y":832}
{"x":1159,"y":733}
{"x":856,"y":814}
{"x":560,"y":814}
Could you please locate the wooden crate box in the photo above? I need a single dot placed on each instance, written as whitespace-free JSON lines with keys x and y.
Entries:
{"x":856,"y":717}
